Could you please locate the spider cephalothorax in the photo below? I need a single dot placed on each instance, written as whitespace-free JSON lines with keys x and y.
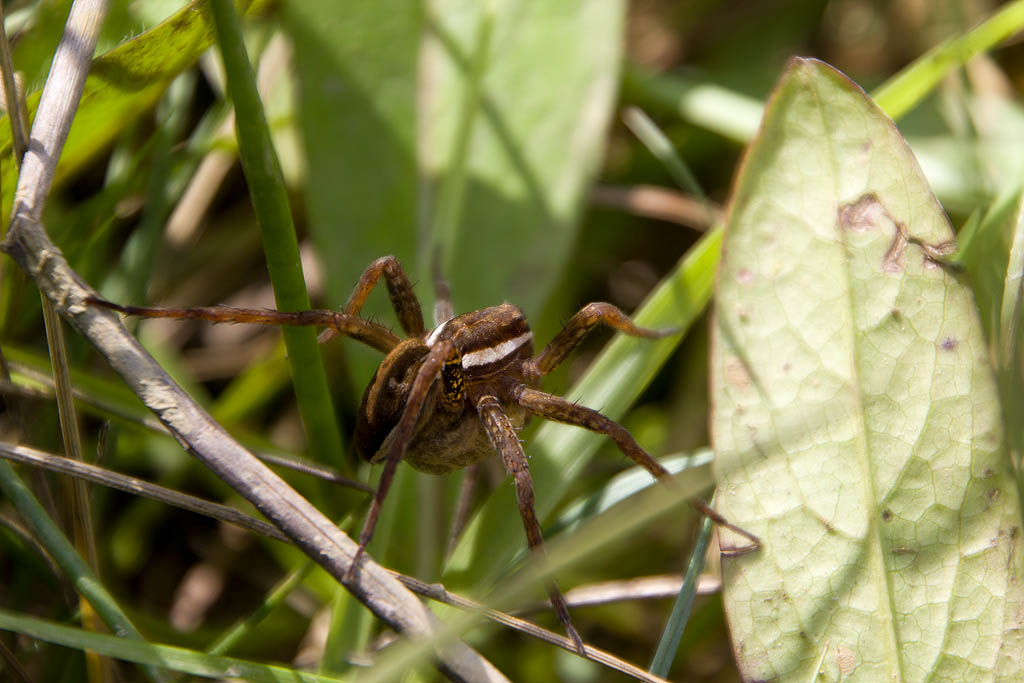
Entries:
{"x":445,"y":399}
{"x":490,"y":347}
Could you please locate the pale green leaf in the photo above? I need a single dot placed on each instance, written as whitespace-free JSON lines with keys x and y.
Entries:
{"x":856,"y":421}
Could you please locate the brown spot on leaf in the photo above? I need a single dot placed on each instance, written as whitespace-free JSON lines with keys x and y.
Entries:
{"x":948,"y":344}
{"x":741,"y":313}
{"x":736,"y":373}
{"x":846,"y":660}
{"x":862,"y":215}
{"x":868,"y":213}
{"x":896,"y":253}
{"x":887,"y":515}
{"x":993,"y":495}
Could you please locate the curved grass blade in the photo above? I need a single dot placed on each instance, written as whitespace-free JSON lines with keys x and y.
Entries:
{"x":154,"y":655}
{"x":904,"y":90}
{"x":992,"y":251}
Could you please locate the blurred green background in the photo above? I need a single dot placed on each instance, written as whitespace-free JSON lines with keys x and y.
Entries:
{"x":503,"y":141}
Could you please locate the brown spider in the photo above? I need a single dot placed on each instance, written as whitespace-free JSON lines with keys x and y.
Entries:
{"x":448,"y":398}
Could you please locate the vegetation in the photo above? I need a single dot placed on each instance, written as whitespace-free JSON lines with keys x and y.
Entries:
{"x":545,"y":154}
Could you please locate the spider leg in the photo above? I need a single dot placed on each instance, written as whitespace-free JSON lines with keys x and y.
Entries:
{"x":360,"y":329}
{"x":401,"y":435}
{"x":403,"y":298}
{"x":560,"y":410}
{"x":577,"y":328}
{"x":504,"y":439}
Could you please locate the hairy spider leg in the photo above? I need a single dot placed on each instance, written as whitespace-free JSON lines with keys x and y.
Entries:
{"x":400,"y":291}
{"x":403,"y":298}
{"x":560,"y":410}
{"x":370,"y":333}
{"x":589,"y":317}
{"x":505,"y":441}
{"x":400,"y":437}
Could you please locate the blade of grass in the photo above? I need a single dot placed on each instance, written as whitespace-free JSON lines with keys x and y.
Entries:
{"x":61,"y":549}
{"x":270,"y":201}
{"x":710,"y":106}
{"x":82,"y":471}
{"x":669,"y":643}
{"x":76,"y":489}
{"x":151,"y":655}
{"x":658,"y":144}
{"x":736,"y":117}
{"x":450,"y":202}
{"x":275,"y":597}
{"x":900,"y":93}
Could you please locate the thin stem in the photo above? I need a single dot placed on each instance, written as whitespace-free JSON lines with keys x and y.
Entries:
{"x":669,"y":643}
{"x":270,"y":201}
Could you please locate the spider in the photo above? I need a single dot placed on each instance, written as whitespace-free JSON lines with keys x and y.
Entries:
{"x":449,"y":397}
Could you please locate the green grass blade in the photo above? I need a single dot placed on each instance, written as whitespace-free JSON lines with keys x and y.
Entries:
{"x":673,"y":634}
{"x":122,"y":84}
{"x":275,"y":597}
{"x":270,"y":201}
{"x":736,"y":116}
{"x":63,"y":551}
{"x":902,"y":92}
{"x":711,"y":106}
{"x":153,"y":655}
{"x":992,"y":251}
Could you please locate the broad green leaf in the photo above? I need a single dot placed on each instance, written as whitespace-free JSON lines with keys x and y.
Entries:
{"x":387,"y":123}
{"x":856,"y":423}
{"x":531,"y":147}
{"x":356,"y":65}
